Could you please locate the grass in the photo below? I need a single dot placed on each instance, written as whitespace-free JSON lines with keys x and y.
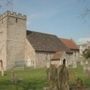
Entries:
{"x":29,"y":79}
{"x":79,"y":73}
{"x":36,"y":79}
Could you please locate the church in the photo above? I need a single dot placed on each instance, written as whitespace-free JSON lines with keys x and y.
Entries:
{"x":20,"y":47}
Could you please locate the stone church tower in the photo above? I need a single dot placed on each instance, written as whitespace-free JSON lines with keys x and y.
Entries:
{"x":12,"y":39}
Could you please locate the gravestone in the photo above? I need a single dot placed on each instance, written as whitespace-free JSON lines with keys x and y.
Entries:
{"x":58,"y":78}
{"x":53,"y":77}
{"x":63,"y":77}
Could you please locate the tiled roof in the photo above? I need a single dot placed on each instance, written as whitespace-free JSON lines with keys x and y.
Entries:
{"x":45,"y":42}
{"x":69,"y":43}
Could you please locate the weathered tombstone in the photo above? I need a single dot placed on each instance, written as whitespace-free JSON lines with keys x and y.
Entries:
{"x":52,"y":77}
{"x":63,"y":77}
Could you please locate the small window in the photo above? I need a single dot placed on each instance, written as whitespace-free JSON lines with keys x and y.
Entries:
{"x":16,"y":20}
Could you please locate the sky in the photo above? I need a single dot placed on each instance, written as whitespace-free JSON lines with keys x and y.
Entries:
{"x":64,"y":18}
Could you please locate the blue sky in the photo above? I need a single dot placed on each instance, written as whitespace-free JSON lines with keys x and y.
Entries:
{"x":64,"y":18}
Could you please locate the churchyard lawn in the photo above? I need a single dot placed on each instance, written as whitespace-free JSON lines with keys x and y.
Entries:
{"x":28,"y":79}
{"x":35,"y":79}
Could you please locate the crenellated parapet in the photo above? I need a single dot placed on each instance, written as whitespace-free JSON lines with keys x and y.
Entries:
{"x":13,"y":14}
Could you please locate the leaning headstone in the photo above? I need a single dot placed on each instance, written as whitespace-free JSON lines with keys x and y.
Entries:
{"x":63,"y":77}
{"x":53,"y":78}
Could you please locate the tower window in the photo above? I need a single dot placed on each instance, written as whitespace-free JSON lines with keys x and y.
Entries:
{"x":16,"y":20}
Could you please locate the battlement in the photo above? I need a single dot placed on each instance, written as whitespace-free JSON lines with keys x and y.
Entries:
{"x":13,"y":14}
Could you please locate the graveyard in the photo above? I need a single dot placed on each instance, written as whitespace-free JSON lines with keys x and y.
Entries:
{"x":36,"y":79}
{"x":45,"y":45}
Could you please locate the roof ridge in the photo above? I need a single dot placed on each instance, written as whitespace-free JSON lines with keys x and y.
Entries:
{"x":42,"y":33}
{"x":66,"y":38}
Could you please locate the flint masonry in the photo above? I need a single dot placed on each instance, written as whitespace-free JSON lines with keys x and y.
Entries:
{"x":20,"y":47}
{"x":12,"y":39}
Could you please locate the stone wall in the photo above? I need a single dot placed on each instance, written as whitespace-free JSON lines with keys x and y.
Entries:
{"x":13,"y":34}
{"x":29,"y":55}
{"x":16,"y":35}
{"x":3,"y":40}
{"x":71,"y":59}
{"x":43,"y":59}
{"x":36,"y":59}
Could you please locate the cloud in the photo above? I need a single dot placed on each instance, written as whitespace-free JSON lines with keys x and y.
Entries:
{"x":83,"y":40}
